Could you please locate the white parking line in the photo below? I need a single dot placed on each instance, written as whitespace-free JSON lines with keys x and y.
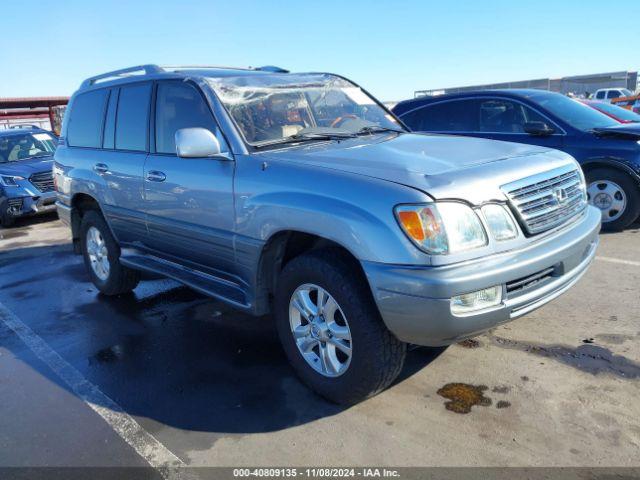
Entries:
{"x":618,"y":260}
{"x":145,"y":444}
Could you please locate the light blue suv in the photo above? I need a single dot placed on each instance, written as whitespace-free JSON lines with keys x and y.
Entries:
{"x":300,"y":195}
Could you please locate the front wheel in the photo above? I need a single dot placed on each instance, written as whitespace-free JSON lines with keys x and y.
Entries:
{"x":617,"y":196}
{"x":331,"y":330}
{"x":102,"y":257}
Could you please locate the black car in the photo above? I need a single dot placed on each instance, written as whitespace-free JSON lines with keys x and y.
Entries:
{"x":608,"y":151}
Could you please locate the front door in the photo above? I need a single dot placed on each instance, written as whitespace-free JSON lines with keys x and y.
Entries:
{"x":504,"y":119}
{"x":189,"y":201}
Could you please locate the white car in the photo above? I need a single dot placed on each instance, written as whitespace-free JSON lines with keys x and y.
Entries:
{"x":608,"y":94}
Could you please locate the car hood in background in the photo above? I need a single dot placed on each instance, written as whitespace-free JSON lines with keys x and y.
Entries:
{"x":442,"y":166}
{"x":26,"y":168}
{"x":630,"y":131}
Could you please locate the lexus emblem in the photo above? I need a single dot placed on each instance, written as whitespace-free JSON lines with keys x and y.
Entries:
{"x":560,"y":195}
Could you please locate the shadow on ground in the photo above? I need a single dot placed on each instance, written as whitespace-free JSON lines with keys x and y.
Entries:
{"x":165,"y":352}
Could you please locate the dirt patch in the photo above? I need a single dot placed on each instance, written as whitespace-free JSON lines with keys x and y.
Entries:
{"x":469,"y":343}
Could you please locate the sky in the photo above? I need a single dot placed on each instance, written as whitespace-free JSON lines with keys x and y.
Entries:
{"x":391,"y":48}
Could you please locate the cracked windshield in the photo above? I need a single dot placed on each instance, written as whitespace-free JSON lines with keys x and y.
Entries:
{"x":273,"y":109}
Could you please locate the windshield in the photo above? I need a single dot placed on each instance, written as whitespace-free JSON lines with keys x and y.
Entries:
{"x":626,"y":93}
{"x":272,"y":108}
{"x":618,"y":112}
{"x":25,"y":145}
{"x":576,"y":114}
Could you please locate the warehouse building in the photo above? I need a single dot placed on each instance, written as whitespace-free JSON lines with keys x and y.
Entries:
{"x":578,"y":84}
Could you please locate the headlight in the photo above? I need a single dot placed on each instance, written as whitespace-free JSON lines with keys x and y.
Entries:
{"x":9,"y":180}
{"x":443,"y":227}
{"x":500,"y":223}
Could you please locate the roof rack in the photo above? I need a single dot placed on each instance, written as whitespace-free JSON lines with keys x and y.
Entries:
{"x":154,"y":69}
{"x":125,"y":72}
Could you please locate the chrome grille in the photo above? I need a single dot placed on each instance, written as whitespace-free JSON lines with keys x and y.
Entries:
{"x":547,"y":200}
{"x":43,"y":181}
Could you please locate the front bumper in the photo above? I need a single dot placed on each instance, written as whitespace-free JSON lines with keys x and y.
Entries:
{"x":415,"y":302}
{"x":21,"y":206}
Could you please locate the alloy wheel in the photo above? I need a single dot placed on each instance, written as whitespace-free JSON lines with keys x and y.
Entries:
{"x":609,"y":197}
{"x":320,"y":330}
{"x":97,"y":252}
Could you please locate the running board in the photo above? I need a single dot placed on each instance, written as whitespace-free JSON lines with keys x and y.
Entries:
{"x":204,"y":283}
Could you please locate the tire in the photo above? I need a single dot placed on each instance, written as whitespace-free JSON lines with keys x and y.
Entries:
{"x":377,"y":356}
{"x":600,"y":183}
{"x":118,"y":279}
{"x":7,"y":221}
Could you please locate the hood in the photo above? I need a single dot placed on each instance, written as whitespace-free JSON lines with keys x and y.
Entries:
{"x":26,"y":168}
{"x":629,"y":131}
{"x":443,"y":166}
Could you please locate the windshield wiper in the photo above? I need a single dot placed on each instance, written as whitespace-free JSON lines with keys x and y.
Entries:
{"x":307,"y":137}
{"x":369,"y":129}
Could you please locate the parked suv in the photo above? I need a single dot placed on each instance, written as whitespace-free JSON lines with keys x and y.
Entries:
{"x":26,"y":181}
{"x":608,"y":151}
{"x":302,"y":196}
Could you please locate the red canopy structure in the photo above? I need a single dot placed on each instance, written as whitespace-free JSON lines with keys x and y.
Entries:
{"x":35,"y":107}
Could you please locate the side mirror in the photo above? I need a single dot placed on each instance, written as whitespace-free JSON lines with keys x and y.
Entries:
{"x":538,"y":128}
{"x":196,"y":143}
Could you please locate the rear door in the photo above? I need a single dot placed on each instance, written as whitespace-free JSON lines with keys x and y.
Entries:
{"x":189,"y":201}
{"x":125,"y":145}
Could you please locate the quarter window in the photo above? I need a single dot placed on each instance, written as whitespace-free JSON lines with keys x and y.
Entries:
{"x":132,"y":117}
{"x":85,"y":121}
{"x":179,"y":105}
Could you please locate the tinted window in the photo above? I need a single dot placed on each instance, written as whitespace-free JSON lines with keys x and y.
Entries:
{"x":505,"y":116}
{"x":576,"y":114}
{"x":454,"y":116}
{"x":132,"y":117}
{"x":600,"y":95}
{"x":179,"y":105}
{"x":618,"y":112}
{"x":110,"y":122}
{"x":85,"y":121}
{"x":613,"y":94}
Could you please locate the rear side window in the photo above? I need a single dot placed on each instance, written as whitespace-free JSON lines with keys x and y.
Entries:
{"x":454,"y":116}
{"x":179,"y":105}
{"x":133,"y":117}
{"x":600,"y":95}
{"x":85,"y":121}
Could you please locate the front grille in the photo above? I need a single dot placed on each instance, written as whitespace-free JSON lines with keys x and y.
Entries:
{"x":547,"y":200}
{"x":43,"y":181}
{"x":14,"y":205}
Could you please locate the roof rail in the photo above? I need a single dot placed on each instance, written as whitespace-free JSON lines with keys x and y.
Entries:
{"x":271,"y":68}
{"x":151,"y":69}
{"x":146,"y":69}
{"x":201,"y":67}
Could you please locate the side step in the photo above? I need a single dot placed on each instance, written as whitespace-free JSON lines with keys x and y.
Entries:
{"x":204,"y":283}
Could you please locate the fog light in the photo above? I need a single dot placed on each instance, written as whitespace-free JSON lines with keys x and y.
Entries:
{"x":471,"y":302}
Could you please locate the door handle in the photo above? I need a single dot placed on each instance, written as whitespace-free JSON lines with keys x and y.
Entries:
{"x":101,"y":168}
{"x":156,"y":176}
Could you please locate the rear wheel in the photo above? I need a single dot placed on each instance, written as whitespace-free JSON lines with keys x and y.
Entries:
{"x":102,"y":257}
{"x":616,"y":195}
{"x":331,"y":330}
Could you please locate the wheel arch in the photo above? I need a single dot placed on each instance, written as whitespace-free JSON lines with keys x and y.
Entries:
{"x":613,"y":163}
{"x":282,"y":247}
{"x":80,"y":204}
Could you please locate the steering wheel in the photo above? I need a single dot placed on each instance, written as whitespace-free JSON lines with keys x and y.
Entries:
{"x":341,"y":119}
